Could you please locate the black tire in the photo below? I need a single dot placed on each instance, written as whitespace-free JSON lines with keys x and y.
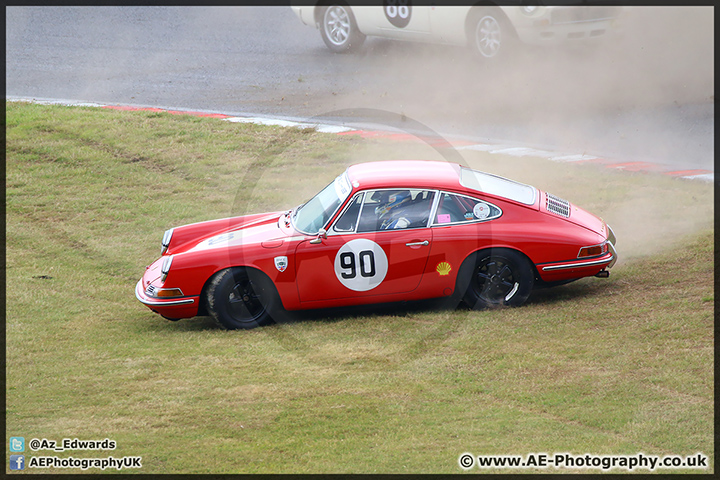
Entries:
{"x":241,"y":298}
{"x":496,"y":277}
{"x":339,"y":30}
{"x":490,"y":34}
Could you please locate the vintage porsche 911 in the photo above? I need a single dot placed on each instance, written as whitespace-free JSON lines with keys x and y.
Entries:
{"x":380,"y":232}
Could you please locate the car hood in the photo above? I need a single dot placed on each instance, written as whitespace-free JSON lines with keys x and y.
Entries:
{"x":225,"y":233}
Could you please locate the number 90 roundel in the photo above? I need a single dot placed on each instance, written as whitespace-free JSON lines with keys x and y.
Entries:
{"x":361,"y":265}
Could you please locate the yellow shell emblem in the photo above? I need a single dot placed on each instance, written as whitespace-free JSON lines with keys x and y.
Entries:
{"x":443,"y":268}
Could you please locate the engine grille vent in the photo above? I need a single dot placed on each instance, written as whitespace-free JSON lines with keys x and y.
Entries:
{"x":557,"y":205}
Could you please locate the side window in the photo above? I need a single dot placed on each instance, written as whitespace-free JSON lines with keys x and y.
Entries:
{"x":347,"y":221}
{"x":395,"y":209}
{"x":459,"y":208}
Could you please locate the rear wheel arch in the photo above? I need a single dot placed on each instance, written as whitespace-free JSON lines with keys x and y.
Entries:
{"x":523,"y":272}
{"x":354,"y":39}
{"x":509,"y":248}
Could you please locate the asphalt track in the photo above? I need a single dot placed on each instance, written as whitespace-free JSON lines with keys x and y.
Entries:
{"x":653,"y":109}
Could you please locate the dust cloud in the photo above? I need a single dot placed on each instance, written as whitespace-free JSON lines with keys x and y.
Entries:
{"x":650,"y":213}
{"x":656,"y":56}
{"x":643,"y":93}
{"x":659,"y":59}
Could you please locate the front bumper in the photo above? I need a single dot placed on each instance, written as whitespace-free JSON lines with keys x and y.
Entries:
{"x":559,"y":25}
{"x":183,"y":307}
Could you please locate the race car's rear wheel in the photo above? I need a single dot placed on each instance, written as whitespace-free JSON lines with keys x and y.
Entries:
{"x":241,"y":298}
{"x":496,"y":277}
{"x":490,"y":34}
{"x":339,"y":30}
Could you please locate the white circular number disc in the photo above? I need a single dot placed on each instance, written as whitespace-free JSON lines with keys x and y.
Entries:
{"x":481,"y":210}
{"x":361,"y":265}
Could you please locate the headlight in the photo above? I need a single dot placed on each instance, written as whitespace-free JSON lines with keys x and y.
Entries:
{"x":167,"y":262}
{"x":166,"y":241}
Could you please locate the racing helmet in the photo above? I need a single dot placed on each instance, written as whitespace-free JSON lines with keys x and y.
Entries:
{"x":394,"y":199}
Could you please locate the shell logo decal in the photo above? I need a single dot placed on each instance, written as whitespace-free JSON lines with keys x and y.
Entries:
{"x":443,"y":268}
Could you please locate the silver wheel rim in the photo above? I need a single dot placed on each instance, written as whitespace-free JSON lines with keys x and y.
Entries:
{"x":488,"y":36}
{"x":337,"y":25}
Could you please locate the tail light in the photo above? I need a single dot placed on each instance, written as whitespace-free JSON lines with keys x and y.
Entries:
{"x":593,"y":250}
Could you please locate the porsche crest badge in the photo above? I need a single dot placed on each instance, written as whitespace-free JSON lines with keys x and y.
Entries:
{"x":281,"y":263}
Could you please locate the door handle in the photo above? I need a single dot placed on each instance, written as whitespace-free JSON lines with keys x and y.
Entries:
{"x":417,"y":244}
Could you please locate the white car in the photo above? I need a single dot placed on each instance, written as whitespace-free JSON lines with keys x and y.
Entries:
{"x":490,"y":30}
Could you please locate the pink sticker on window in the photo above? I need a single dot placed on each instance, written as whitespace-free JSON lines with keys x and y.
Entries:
{"x":444,"y":218}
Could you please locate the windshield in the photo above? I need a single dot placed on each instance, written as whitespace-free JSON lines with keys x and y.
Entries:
{"x":313,"y":215}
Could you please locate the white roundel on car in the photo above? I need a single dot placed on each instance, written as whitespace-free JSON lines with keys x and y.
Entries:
{"x":361,"y":265}
{"x":481,"y":210}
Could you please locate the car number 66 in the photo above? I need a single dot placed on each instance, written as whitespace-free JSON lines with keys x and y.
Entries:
{"x":398,"y":12}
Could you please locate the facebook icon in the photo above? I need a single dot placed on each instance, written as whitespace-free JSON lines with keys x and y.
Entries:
{"x":17,"y":462}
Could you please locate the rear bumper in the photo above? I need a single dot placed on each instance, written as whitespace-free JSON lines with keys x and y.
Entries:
{"x":305,"y":14}
{"x":577,"y":268}
{"x":606,"y":261}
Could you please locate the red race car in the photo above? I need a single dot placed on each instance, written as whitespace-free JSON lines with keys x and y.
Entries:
{"x":380,"y":232}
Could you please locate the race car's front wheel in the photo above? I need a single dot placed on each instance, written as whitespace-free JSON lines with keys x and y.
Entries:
{"x":241,"y":298}
{"x":339,"y":30}
{"x":496,"y":277}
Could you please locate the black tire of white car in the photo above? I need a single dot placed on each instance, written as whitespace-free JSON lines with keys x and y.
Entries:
{"x":490,"y":34}
{"x":241,"y":298}
{"x":339,"y":30}
{"x":496,"y":277}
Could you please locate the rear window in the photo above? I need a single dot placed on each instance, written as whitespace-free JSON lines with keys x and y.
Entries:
{"x":499,"y":186}
{"x":454,"y":208}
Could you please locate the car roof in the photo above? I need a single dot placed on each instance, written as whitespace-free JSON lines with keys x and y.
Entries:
{"x":405,"y":173}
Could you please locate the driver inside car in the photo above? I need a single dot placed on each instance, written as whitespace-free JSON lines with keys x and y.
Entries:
{"x":391,"y":210}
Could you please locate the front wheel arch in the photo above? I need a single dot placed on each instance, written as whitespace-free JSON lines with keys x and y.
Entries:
{"x":226,"y":287}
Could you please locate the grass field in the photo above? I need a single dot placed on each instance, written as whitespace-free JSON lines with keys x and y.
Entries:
{"x":616,"y":366}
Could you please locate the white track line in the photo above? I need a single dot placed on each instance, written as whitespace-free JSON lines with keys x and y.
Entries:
{"x":504,"y":149}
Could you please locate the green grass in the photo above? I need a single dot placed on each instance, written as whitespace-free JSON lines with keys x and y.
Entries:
{"x":616,"y":366}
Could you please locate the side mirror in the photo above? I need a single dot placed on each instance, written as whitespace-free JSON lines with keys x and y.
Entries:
{"x":322,"y":234}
